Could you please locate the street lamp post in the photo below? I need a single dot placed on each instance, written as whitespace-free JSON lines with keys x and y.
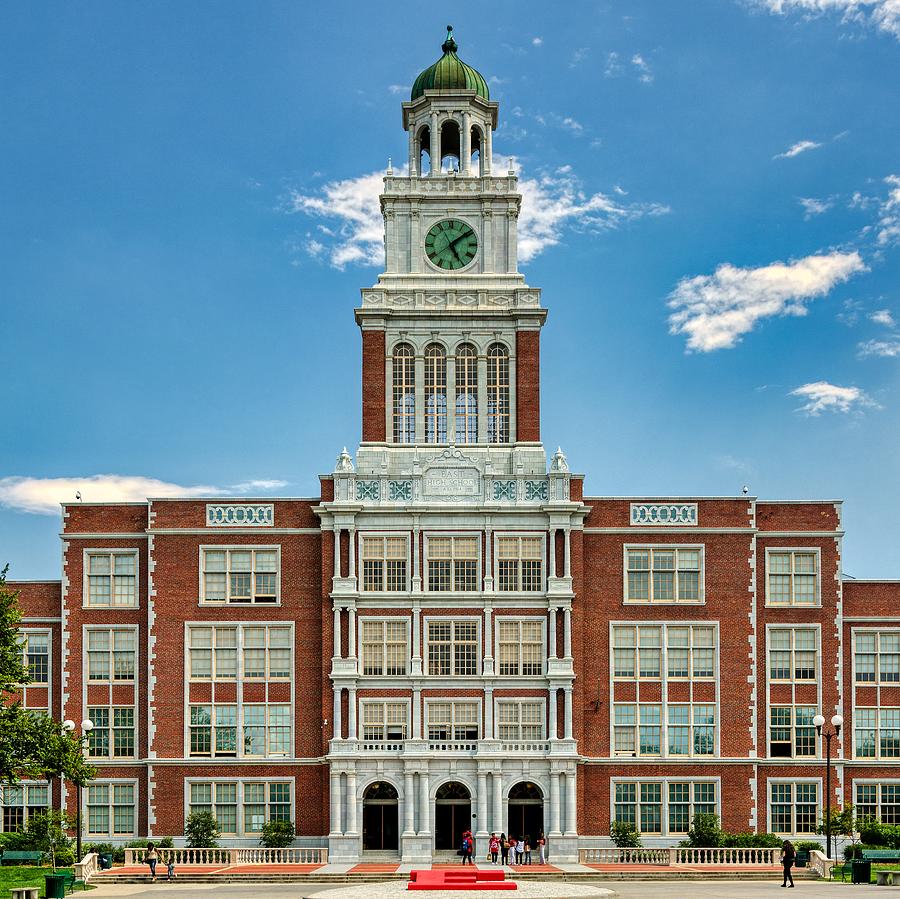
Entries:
{"x":86,"y":727}
{"x":836,"y":722}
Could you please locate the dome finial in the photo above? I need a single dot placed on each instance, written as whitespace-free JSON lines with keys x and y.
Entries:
{"x":449,"y":45}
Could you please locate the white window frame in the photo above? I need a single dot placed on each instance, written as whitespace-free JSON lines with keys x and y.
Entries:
{"x":794,"y":781}
{"x":228,"y":549}
{"x":23,"y":785}
{"x":111,"y":805}
{"x":25,"y":633}
{"x":376,"y":745}
{"x":793,"y":628}
{"x":878,"y":757}
{"x":665,"y":547}
{"x":664,"y":648}
{"x":793,"y":706}
{"x":452,"y":701}
{"x":770,"y":550}
{"x":111,"y":727}
{"x":239,"y":647}
{"x":531,"y":619}
{"x":876,"y":632}
{"x":497,"y":537}
{"x":86,"y":576}
{"x":360,"y":560}
{"x":479,"y":566}
{"x":240,"y":829}
{"x":877,"y":782}
{"x":664,"y":798}
{"x":360,"y":618}
{"x":453,"y":619}
{"x":518,"y":701}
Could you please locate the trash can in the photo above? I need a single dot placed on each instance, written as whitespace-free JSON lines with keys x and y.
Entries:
{"x":55,"y":886}
{"x":861,"y":872}
{"x":106,"y":861}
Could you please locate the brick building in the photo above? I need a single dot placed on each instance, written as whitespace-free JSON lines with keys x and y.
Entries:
{"x":452,"y":633}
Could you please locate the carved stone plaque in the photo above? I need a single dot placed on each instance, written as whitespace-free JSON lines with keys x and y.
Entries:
{"x":451,"y":482}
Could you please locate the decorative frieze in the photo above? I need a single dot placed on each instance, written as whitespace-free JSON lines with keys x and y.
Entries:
{"x":505,"y":490}
{"x":244,"y":515}
{"x":537,"y":490}
{"x":370,"y":490}
{"x":400,"y":491}
{"x":664,"y":514}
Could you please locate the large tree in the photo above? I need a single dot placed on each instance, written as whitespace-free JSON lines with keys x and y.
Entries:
{"x":32,"y":744}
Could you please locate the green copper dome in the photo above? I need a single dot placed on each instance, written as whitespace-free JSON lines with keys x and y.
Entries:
{"x":450,"y":73}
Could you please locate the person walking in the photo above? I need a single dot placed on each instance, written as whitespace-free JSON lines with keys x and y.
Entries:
{"x":504,"y":850}
{"x":788,"y":854}
{"x":494,"y":848}
{"x":152,"y":857}
{"x":541,"y":848}
{"x":527,"y":848}
{"x":467,"y":848}
{"x":170,"y":865}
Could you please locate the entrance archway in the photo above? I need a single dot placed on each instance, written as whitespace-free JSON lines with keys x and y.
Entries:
{"x":452,"y":814}
{"x":526,"y":810}
{"x":380,"y":831}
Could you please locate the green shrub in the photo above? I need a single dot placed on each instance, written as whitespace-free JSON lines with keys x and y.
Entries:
{"x":201,"y":830}
{"x":878,"y":835}
{"x":624,"y":834}
{"x":747,"y":840}
{"x":705,"y":831}
{"x":277,"y":834}
{"x":855,"y":850}
{"x":808,"y":845}
{"x":47,"y":832}
{"x":15,"y":841}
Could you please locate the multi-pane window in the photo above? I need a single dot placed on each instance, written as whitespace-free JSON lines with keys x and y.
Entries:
{"x":520,"y":564}
{"x":792,"y":733}
{"x":213,"y":730}
{"x":241,"y":807}
{"x":113,"y":733}
{"x":498,"y":394}
{"x":266,"y":729}
{"x":384,"y":722}
{"x":690,"y":651}
{"x":384,"y":647}
{"x":240,"y":576}
{"x":112,"y":579}
{"x":384,"y":564}
{"x":878,"y":800}
{"x":877,"y":733}
{"x":453,"y":648}
{"x":404,"y":397}
{"x":663,"y":807}
{"x":793,"y":654}
{"x":110,"y":809}
{"x":111,"y":654}
{"x":792,"y":577}
{"x":452,"y":721}
{"x":663,"y":574}
{"x":521,"y":647}
{"x":638,"y":729}
{"x":793,"y":807}
{"x":520,"y":721}
{"x":265,"y":650}
{"x":466,"y":394}
{"x":20,"y":801}
{"x":435,"y":394}
{"x":877,"y":657}
{"x":452,"y":564}
{"x":36,"y":656}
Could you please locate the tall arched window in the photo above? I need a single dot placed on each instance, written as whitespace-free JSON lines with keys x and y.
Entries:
{"x":435,"y":394}
{"x":404,"y":394}
{"x":466,"y":394}
{"x":498,"y":394}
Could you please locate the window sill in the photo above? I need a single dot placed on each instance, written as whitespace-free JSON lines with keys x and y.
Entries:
{"x":664,"y":602}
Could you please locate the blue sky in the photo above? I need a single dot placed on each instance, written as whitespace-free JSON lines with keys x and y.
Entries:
{"x":712,"y":197}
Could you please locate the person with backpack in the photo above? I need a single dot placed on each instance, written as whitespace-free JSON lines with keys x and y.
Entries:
{"x":788,"y":855}
{"x":504,"y":850}
{"x":466,"y":848}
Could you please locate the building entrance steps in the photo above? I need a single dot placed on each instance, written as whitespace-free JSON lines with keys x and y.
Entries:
{"x":461,"y":878}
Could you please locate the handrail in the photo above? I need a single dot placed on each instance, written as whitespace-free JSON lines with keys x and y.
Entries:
{"x":254,"y":855}
{"x":87,"y":867}
{"x":681,"y":855}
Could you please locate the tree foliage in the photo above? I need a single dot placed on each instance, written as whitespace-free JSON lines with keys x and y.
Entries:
{"x":32,"y":744}
{"x":624,"y":834}
{"x":277,"y":834}
{"x":201,"y":830}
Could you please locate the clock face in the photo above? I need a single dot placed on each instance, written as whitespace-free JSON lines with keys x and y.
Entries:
{"x":451,"y":244}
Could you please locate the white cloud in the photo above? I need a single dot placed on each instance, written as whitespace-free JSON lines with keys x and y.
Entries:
{"x":537,"y":41}
{"x":812,"y":206}
{"x":572,"y":125}
{"x":644,"y":73}
{"x":820,"y":396}
{"x":399,"y":88}
{"x":613,"y":67}
{"x":889,"y":212}
{"x":883,"y":317}
{"x":881,"y":14}
{"x":796,"y":149}
{"x":43,"y":495}
{"x":887,"y":349}
{"x":715,"y":311}
{"x":551,"y":203}
{"x":578,"y":56}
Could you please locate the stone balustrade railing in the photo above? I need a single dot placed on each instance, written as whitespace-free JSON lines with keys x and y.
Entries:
{"x":87,"y":867}
{"x":678,"y":855}
{"x":821,"y":863}
{"x":292,"y":855}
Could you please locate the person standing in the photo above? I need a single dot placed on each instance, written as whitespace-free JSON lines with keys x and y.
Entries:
{"x":494,"y":848}
{"x":527,"y":848}
{"x":788,"y":854}
{"x":541,"y":844}
{"x":151,"y":858}
{"x":467,"y":848}
{"x":504,"y":849}
{"x":520,"y":850}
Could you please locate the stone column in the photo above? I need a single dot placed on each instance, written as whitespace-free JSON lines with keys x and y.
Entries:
{"x":488,"y":641}
{"x":487,"y":242}
{"x":465,"y":144}
{"x":409,"y":804}
{"x":482,"y":402}
{"x":351,"y":644}
{"x":481,"y":827}
{"x":552,"y":552}
{"x":351,"y":714}
{"x":335,"y":798}
{"x":434,"y":150}
{"x":413,"y":162}
{"x":419,"y":367}
{"x":552,"y":714}
{"x":571,"y":818}
{"x":351,"y":803}
{"x":416,"y":561}
{"x":424,"y":804}
{"x":337,"y":551}
{"x":451,"y":397}
{"x":551,"y":636}
{"x":336,"y":720}
{"x":567,"y":714}
{"x":488,"y":566}
{"x":567,"y":633}
{"x":337,"y":633}
{"x":352,"y":564}
{"x":488,"y":149}
{"x":416,"y":654}
{"x":567,"y":545}
{"x":554,"y":804}
{"x":489,"y":714}
{"x":417,"y":714}
{"x":497,"y":780}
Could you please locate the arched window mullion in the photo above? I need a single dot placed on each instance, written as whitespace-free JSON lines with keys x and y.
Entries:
{"x":404,"y":394}
{"x":435,"y":394}
{"x":466,"y":394}
{"x":498,"y":394}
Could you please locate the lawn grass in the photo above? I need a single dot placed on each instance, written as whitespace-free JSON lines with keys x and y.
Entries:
{"x":878,"y":866}
{"x":24,"y":876}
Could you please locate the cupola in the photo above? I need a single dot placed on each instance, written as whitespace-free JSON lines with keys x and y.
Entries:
{"x":450,"y":73}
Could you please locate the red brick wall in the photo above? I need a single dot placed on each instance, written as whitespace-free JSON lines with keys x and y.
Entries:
{"x":373,"y":386}
{"x":528,"y":385}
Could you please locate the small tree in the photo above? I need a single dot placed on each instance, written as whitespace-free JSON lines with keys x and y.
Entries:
{"x":47,"y":832}
{"x":705,"y":832}
{"x":201,"y":830}
{"x":277,"y":834}
{"x":843,"y":824}
{"x":624,"y":834}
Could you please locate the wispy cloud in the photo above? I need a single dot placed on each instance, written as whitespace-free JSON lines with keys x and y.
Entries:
{"x":883,"y":317}
{"x":43,"y":495}
{"x":572,"y":125}
{"x":613,"y":67}
{"x":537,"y":41}
{"x":820,"y":396}
{"x":887,"y":349}
{"x":643,"y":69}
{"x":579,"y":56}
{"x":399,"y":88}
{"x":802,"y":146}
{"x":812,"y":206}
{"x":881,"y":14}
{"x":716,"y":311}
{"x":552,"y":202}
{"x":889,"y":211}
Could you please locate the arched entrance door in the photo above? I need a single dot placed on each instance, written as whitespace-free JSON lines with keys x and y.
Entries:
{"x":380,"y":817}
{"x":452,"y":814}
{"x":526,"y":810}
